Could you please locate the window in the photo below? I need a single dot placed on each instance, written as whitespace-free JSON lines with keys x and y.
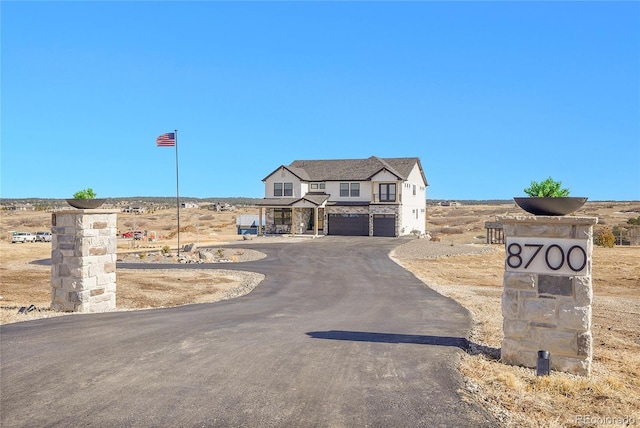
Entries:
{"x":315,"y":186}
{"x":387,"y":192}
{"x":282,"y":189}
{"x":355,"y":190}
{"x":282,"y":216}
{"x":350,"y":190}
{"x":414,"y":190}
{"x":344,"y":190}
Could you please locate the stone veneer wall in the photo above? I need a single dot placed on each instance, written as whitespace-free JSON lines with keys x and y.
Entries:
{"x":303,"y":215}
{"x":83,"y":256}
{"x":386,"y":209}
{"x":268,"y":217}
{"x":543,"y":311}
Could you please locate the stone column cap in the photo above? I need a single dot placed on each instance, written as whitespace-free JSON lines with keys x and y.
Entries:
{"x":88,"y":211}
{"x":547,"y":219}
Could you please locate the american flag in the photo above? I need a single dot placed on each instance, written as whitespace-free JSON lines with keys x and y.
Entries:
{"x":166,"y":140}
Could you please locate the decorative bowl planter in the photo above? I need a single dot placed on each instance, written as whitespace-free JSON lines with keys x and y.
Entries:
{"x":550,"y":206}
{"x":85,"y":204}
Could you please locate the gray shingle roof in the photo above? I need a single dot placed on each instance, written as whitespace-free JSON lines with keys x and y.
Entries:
{"x":314,"y":198}
{"x":268,"y":202}
{"x":352,"y":169}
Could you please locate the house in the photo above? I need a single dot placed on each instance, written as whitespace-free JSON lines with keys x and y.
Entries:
{"x":187,"y":205}
{"x":21,"y":207}
{"x":135,"y":209}
{"x":222,"y":207}
{"x":354,"y":197}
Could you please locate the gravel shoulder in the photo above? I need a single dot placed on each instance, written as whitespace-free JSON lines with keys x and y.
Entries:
{"x":418,"y":249}
{"x":212,"y":255}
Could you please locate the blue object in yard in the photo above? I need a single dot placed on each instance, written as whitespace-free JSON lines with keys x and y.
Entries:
{"x":248,"y":224}
{"x":251,"y":230}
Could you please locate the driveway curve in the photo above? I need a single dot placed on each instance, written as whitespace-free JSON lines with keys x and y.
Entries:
{"x":337,"y":335}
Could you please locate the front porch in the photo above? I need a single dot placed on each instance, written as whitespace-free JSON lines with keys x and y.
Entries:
{"x":292,"y":217}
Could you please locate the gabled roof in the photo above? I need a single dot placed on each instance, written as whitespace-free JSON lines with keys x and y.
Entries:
{"x":298,"y":172}
{"x":351,"y":169}
{"x":268,"y":202}
{"x":314,"y":198}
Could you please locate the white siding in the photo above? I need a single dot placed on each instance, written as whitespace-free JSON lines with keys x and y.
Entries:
{"x":283,"y":176}
{"x":332,"y":188}
{"x":414,"y":207}
{"x":384,"y":176}
{"x":387,"y":178}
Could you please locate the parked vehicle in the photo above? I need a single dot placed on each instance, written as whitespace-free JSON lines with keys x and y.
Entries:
{"x":43,"y":236}
{"x":23,"y":237}
{"x":135,"y":234}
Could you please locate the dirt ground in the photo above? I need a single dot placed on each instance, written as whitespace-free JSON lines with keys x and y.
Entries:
{"x":609,"y":397}
{"x":25,"y":282}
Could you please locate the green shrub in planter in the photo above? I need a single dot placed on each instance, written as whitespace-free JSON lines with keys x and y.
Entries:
{"x":548,"y":188}
{"x":87,"y":193}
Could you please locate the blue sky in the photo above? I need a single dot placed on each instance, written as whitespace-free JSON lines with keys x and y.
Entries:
{"x":489,"y":95}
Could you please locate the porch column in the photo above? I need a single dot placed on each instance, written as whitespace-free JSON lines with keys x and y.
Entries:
{"x":293,"y":221}
{"x":315,"y":221}
{"x":260,"y":227}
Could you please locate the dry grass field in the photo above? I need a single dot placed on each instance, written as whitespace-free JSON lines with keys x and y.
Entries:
{"x":25,"y":283}
{"x":609,"y":397}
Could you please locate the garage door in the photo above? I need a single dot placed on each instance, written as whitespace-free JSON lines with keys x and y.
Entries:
{"x":384,"y":225}
{"x":349,"y":224}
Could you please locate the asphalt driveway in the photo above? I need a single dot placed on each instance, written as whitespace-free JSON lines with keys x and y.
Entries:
{"x":337,"y":335}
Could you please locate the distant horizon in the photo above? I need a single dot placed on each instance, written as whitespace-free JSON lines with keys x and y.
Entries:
{"x":182,"y":198}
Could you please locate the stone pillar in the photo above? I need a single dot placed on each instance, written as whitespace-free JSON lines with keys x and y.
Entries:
{"x":83,"y":260}
{"x":547,"y":296}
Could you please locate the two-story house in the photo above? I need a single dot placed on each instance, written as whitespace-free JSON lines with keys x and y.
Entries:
{"x":355,"y":197}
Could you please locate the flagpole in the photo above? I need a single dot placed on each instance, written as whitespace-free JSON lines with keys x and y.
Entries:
{"x":177,"y":192}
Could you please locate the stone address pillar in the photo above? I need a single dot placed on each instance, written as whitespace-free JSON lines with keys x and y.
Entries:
{"x":547,"y":295}
{"x":83,"y":260}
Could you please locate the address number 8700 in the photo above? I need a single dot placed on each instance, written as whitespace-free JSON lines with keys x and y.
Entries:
{"x":540,"y":255}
